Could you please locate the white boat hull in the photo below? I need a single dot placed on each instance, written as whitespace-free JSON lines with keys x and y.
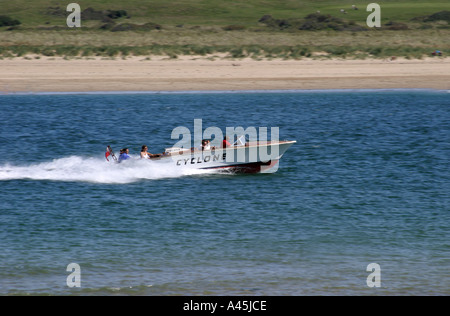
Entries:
{"x":261,"y":157}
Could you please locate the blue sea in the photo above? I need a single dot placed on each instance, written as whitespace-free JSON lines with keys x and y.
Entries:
{"x":368,"y":181}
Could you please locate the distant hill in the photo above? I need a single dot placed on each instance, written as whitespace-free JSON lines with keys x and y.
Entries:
{"x":232,"y":28}
{"x":212,"y":12}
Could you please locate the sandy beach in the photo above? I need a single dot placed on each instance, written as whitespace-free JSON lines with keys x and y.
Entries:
{"x":189,"y":73}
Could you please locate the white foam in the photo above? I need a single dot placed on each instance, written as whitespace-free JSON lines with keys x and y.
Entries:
{"x":95,"y":170}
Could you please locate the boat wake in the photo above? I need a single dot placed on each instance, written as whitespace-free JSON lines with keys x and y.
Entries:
{"x":95,"y":170}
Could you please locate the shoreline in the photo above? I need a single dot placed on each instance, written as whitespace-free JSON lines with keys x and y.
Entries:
{"x":122,"y":92}
{"x":195,"y":74}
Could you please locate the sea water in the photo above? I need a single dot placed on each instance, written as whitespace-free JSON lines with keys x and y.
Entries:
{"x":368,"y":181}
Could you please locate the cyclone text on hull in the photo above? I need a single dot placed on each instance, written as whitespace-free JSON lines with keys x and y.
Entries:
{"x":252,"y":157}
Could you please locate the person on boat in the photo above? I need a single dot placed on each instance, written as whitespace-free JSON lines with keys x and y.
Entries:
{"x":207,"y":145}
{"x":146,"y":155}
{"x":225,"y":142}
{"x":203,"y":145}
{"x":124,"y":154}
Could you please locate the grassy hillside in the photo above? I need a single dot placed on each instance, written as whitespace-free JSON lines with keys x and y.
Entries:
{"x":228,"y":26}
{"x":214,"y":12}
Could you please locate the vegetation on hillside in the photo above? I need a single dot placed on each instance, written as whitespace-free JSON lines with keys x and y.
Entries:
{"x":231,"y":28}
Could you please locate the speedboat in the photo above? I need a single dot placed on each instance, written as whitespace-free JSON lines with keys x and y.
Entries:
{"x":246,"y":157}
{"x":251,"y":157}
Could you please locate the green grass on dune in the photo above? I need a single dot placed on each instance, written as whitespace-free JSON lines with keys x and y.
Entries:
{"x":207,"y":27}
{"x":213,"y":12}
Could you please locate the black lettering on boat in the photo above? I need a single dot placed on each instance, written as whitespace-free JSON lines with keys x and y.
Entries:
{"x":216,"y":157}
{"x":224,"y":156}
{"x":179,"y":162}
{"x":186,"y":160}
{"x":207,"y":158}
